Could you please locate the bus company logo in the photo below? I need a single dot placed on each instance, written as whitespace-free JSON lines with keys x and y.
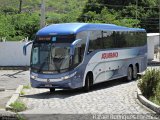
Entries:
{"x":109,"y":55}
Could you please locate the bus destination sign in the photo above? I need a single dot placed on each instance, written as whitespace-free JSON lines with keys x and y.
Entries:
{"x":44,"y":38}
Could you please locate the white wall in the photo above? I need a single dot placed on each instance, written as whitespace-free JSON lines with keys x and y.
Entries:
{"x":152,"y":41}
{"x":11,"y":54}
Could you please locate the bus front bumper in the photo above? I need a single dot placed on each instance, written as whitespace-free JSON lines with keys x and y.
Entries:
{"x":64,"y":84}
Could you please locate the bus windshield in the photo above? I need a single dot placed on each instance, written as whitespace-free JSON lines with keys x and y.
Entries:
{"x":50,"y":57}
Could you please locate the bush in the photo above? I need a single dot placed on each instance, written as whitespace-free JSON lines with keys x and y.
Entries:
{"x":150,"y":85}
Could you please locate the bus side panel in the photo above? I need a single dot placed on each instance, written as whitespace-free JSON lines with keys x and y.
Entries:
{"x":114,"y":66}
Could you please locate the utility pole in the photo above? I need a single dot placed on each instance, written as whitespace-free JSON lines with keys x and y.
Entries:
{"x":136,"y":10}
{"x":42,"y":17}
{"x":20,"y":6}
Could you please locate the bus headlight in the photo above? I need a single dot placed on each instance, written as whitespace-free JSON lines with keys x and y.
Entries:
{"x":69,"y":76}
{"x":33,"y":77}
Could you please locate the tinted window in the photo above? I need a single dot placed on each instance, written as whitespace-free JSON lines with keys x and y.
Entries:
{"x":108,"y":39}
{"x":79,"y":50}
{"x":95,"y":41}
{"x":120,"y":39}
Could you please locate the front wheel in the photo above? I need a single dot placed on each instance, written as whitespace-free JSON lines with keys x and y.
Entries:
{"x":87,"y":83}
{"x":52,"y":90}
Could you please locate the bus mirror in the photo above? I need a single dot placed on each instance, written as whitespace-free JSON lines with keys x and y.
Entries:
{"x":73,"y":45}
{"x":25,"y":47}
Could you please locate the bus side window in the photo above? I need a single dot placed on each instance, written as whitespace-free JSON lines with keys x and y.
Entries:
{"x":81,"y":49}
{"x":95,"y":41}
{"x":108,"y":39}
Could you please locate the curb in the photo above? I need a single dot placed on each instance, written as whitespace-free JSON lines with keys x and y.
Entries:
{"x":14,"y":67}
{"x":14,"y":97}
{"x":2,"y":89}
{"x":147,"y":103}
{"x":153,"y":63}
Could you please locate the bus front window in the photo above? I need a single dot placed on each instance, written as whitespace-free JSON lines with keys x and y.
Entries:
{"x":50,"y":57}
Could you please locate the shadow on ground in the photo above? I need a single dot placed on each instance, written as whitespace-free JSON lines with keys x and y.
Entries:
{"x":62,"y":94}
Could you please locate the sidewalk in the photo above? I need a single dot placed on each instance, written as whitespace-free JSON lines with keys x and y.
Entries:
{"x":4,"y":97}
{"x":7,"y":115}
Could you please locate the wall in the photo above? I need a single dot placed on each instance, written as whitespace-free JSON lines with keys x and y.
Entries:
{"x":11,"y":54}
{"x":152,"y":41}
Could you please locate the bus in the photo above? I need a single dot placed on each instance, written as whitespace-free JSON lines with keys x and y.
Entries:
{"x":79,"y":55}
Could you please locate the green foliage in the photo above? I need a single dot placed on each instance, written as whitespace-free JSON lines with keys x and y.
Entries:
{"x":6,"y":27}
{"x":18,"y":26}
{"x":144,"y":14}
{"x":20,"y":117}
{"x":27,"y":86}
{"x":18,"y":106}
{"x":15,"y":25}
{"x":150,"y":85}
{"x":22,"y":93}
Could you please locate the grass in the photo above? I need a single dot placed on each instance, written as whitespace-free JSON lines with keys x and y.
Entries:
{"x":27,"y":86}
{"x":20,"y":117}
{"x":18,"y":106}
{"x":22,"y":93}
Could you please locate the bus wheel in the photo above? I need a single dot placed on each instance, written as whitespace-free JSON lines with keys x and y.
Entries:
{"x":52,"y":90}
{"x":135,"y":71}
{"x":87,"y":83}
{"x":129,"y":74}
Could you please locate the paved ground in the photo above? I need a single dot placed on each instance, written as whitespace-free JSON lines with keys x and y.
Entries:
{"x":113,"y":97}
{"x":10,"y":80}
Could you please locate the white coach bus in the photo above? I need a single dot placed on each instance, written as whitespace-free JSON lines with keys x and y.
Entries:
{"x":74,"y":55}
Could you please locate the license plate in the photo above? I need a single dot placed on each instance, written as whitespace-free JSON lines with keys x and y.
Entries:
{"x":48,"y":85}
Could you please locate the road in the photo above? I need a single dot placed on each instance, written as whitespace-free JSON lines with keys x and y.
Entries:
{"x":10,"y":80}
{"x":113,"y":97}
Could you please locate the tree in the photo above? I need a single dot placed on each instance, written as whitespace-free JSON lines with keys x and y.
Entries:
{"x":143,"y":13}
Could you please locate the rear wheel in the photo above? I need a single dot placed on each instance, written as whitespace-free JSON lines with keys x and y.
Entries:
{"x":52,"y":90}
{"x":129,"y":74}
{"x":135,"y":71}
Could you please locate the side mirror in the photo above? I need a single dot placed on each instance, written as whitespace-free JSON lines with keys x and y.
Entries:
{"x":25,"y":47}
{"x":73,"y":45}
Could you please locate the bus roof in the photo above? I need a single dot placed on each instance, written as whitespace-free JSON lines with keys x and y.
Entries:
{"x":73,"y":28}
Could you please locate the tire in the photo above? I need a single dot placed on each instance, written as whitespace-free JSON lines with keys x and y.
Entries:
{"x":52,"y":90}
{"x":135,"y":71}
{"x":87,"y":86}
{"x":129,"y":74}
